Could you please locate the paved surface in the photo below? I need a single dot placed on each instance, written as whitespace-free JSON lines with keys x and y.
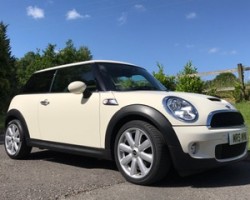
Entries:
{"x":50,"y":175}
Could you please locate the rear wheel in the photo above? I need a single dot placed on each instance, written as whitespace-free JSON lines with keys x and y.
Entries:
{"x":140,"y":153}
{"x":14,"y":140}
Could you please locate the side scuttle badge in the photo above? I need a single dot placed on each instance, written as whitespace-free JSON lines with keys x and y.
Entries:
{"x":110,"y":102}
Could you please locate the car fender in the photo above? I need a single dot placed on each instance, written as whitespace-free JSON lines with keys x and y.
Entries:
{"x":140,"y":112}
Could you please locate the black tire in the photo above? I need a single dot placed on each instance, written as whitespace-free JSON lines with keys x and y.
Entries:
{"x":141,"y":154}
{"x":14,"y":140}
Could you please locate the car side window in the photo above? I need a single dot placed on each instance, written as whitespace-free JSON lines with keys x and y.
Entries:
{"x":65,"y":76}
{"x":39,"y":83}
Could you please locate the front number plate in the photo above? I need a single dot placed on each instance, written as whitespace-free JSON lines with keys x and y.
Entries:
{"x":236,"y":138}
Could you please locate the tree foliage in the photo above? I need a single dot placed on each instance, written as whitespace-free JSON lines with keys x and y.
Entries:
{"x":33,"y":61}
{"x":188,"y":83}
{"x":71,"y":54}
{"x":224,"y":80}
{"x":7,"y":69}
{"x":218,"y":86}
{"x":167,"y":81}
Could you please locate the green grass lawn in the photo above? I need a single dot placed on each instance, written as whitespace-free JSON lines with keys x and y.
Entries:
{"x":244,"y":108}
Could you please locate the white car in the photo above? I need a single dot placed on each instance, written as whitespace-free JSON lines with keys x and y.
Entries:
{"x":115,"y":110}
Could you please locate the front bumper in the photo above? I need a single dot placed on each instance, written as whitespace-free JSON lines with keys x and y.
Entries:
{"x":202,"y":148}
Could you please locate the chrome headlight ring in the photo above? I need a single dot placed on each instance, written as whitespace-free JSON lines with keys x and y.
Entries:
{"x":181,"y":109}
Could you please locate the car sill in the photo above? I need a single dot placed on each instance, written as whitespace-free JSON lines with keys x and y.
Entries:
{"x":73,"y":149}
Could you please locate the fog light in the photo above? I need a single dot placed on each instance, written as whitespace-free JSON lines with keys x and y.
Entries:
{"x":194,"y":148}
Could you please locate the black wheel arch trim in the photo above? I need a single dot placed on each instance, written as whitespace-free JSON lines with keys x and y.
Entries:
{"x":143,"y":112}
{"x":16,"y":114}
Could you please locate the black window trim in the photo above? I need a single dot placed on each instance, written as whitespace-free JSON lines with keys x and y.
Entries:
{"x":52,"y":81}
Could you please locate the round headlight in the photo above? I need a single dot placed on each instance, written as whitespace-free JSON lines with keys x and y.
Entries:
{"x":181,"y":109}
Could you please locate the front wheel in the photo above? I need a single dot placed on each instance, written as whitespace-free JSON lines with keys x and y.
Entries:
{"x":14,"y":140}
{"x":140,"y":153}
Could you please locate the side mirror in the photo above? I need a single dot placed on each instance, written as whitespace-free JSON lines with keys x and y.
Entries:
{"x":77,"y":87}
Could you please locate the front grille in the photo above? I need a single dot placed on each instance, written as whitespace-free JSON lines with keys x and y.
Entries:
{"x":225,"y":119}
{"x":225,"y":151}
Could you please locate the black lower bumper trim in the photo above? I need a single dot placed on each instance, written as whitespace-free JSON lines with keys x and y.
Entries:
{"x":186,"y":165}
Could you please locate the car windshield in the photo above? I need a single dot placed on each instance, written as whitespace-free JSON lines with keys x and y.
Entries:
{"x":122,"y":77}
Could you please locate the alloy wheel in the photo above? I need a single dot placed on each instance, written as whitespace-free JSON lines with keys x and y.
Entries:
{"x":12,"y":139}
{"x":135,"y":153}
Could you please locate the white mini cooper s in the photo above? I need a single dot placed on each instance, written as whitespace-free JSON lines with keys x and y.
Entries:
{"x":115,"y":110}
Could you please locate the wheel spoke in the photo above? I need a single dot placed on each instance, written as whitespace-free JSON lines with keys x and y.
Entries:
{"x":147,"y":157}
{"x":13,"y":131}
{"x":129,"y":139}
{"x":8,"y":138}
{"x":17,"y":140}
{"x":9,"y":131}
{"x":133,"y":167}
{"x":12,"y":148}
{"x":137,"y":137}
{"x":142,"y":166}
{"x":125,"y":148}
{"x":16,"y":146}
{"x":16,"y":133}
{"x":146,"y":144}
{"x":126,"y":159}
{"x":9,"y":145}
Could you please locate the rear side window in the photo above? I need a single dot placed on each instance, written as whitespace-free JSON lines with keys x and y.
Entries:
{"x":39,"y":83}
{"x":65,"y":76}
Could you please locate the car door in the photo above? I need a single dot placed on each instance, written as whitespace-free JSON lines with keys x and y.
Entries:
{"x":70,"y":118}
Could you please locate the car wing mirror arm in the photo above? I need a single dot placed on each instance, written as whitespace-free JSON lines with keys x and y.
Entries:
{"x":86,"y":93}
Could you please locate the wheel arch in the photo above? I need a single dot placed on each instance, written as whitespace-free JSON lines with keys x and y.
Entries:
{"x":16,"y":114}
{"x":144,"y":113}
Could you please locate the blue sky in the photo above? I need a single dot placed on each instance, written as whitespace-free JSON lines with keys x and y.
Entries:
{"x":213,"y":34}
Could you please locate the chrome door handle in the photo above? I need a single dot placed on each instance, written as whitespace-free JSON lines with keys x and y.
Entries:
{"x":45,"y":102}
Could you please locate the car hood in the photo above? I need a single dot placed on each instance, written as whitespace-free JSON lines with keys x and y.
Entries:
{"x":203,"y":103}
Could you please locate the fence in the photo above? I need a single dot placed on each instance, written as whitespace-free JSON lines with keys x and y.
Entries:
{"x":240,"y":70}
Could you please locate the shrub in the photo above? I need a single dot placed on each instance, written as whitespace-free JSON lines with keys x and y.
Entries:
{"x":187,"y":82}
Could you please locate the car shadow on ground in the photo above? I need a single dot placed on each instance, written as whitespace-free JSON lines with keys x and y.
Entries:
{"x":231,"y":175}
{"x":73,"y":160}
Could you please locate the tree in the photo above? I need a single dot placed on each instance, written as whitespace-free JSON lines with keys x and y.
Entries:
{"x":70,"y":54}
{"x":8,"y":80}
{"x":224,"y":80}
{"x":27,"y":66}
{"x":187,"y":82}
{"x":50,"y":57}
{"x":214,"y":87}
{"x":33,"y":61}
{"x":167,"y":81}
